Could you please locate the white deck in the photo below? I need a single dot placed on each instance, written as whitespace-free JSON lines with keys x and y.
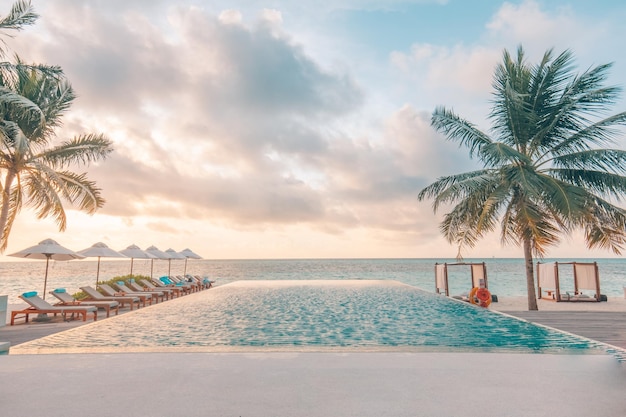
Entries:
{"x":312,"y":384}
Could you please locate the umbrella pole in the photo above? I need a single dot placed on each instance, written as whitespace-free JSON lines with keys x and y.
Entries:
{"x":151,"y":267}
{"x":44,"y":316}
{"x":169,"y":267}
{"x":185,"y":270}
{"x":98,"y":273}
{"x":131,"y":267}
{"x":45,"y":280}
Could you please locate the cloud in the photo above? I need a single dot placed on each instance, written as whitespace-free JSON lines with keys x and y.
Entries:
{"x":195,"y":115}
{"x":461,"y":69}
{"x":232,"y":120}
{"x":531,"y":24}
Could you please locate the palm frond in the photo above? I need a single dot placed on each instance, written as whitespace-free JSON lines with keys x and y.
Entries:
{"x":609,"y":160}
{"x":601,"y":183}
{"x":497,"y":154}
{"x":43,"y":188}
{"x":81,"y":192}
{"x":604,"y":227}
{"x":570,"y":115}
{"x":600,"y":133}
{"x":82,"y":149}
{"x":22,"y":14}
{"x":10,"y":72}
{"x":15,"y":103}
{"x":456,"y":187}
{"x":458,"y":130}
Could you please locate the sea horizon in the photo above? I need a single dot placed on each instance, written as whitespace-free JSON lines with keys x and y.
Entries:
{"x":506,"y":276}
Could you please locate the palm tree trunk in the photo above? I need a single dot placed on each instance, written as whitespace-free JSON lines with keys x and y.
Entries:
{"x":6,"y":202}
{"x":530,"y":276}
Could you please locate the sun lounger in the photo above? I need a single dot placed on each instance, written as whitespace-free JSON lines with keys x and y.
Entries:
{"x":177,"y":291}
{"x":108,"y":290}
{"x":178,"y":282}
{"x":66,"y":299}
{"x":95,"y":295}
{"x":195,"y":285}
{"x":198,"y":283}
{"x":121,"y":285}
{"x":40,"y":306}
{"x":167,"y":283}
{"x":134,"y":286}
{"x":205,"y":281}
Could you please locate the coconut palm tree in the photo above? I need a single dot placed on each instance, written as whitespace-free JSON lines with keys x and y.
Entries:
{"x":34,"y":168}
{"x":547,"y":166}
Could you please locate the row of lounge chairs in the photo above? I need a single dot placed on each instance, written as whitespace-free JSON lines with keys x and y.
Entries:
{"x":130,"y":293}
{"x":40,"y":306}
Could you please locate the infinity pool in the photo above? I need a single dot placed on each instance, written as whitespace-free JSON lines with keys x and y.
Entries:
{"x":312,"y":316}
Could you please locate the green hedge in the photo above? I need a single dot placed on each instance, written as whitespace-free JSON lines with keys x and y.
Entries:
{"x":82,"y":295}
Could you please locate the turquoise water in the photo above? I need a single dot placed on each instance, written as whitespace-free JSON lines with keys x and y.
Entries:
{"x":377,"y":315}
{"x":506,"y":276}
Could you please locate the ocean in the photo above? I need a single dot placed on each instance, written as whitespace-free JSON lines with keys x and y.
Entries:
{"x":506,"y":277}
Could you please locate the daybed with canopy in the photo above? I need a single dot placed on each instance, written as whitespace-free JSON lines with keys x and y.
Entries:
{"x":586,"y":277}
{"x":478,"y":275}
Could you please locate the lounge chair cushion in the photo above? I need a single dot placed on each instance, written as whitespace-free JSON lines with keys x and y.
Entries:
{"x":59,"y":290}
{"x":29,"y":294}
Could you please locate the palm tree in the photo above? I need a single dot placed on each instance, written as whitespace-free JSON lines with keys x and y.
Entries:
{"x":545,"y":171}
{"x":34,"y":170}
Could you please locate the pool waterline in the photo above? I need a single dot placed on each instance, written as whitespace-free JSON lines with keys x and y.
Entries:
{"x":313,"y":316}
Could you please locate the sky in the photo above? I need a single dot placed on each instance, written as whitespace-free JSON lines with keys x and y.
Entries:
{"x":281,"y":129}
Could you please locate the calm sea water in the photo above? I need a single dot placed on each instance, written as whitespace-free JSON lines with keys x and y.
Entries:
{"x":506,"y":276}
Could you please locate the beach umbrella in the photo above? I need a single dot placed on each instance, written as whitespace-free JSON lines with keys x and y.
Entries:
{"x":172,"y":254}
{"x":189,"y":254}
{"x":135,"y":252}
{"x":48,"y":249}
{"x":158,"y":254}
{"x":100,"y":250}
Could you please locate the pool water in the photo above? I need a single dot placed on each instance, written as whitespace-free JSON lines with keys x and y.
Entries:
{"x":312,"y":316}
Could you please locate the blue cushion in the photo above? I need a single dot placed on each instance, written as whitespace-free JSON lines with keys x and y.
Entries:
{"x":132,"y":280}
{"x":180,"y":284}
{"x":59,"y":290}
{"x":121,"y":283}
{"x":29,"y":294}
{"x":165,"y":280}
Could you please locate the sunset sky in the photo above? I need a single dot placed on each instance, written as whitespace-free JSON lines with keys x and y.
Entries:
{"x":289,"y":129}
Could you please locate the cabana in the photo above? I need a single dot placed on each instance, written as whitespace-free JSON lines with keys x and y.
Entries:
{"x":478,"y":273}
{"x":586,"y":277}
